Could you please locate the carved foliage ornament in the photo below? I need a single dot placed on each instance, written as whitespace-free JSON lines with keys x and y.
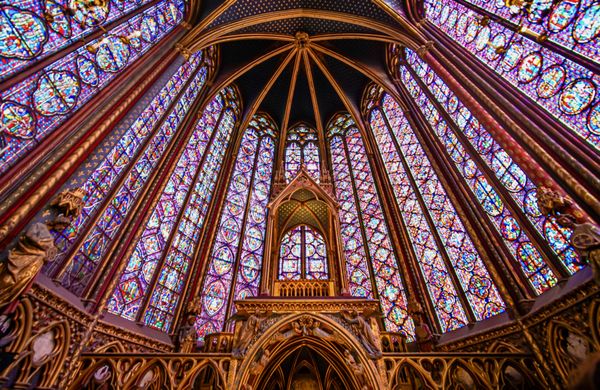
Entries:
{"x":68,"y":205}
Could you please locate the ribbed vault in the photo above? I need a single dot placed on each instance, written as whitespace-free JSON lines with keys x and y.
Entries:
{"x":300,"y":60}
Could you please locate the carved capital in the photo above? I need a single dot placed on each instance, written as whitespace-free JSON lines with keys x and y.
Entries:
{"x":184,"y":51}
{"x":424,"y":49}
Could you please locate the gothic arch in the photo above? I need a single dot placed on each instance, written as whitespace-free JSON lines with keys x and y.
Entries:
{"x":409,"y":372}
{"x":568,"y":347}
{"x":42,"y":359}
{"x":197,"y":40}
{"x":198,"y":370}
{"x":302,"y":201}
{"x":275,"y":344}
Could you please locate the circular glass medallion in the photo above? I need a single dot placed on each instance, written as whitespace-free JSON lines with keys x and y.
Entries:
{"x":149,"y":28}
{"x":22,"y":33}
{"x":113,"y":54}
{"x":551,"y":80}
{"x":562,"y":14}
{"x":17,"y":120}
{"x":214,"y":298}
{"x":530,"y":67}
{"x":510,"y":228}
{"x":587,"y":25}
{"x":577,"y":96}
{"x":56,"y":93}
{"x":512,"y":56}
{"x":57,"y":19}
{"x":87,"y":71}
{"x":483,"y":38}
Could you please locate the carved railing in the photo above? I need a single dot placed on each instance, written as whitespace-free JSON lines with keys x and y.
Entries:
{"x":152,"y":371}
{"x":304,"y":288}
{"x":463,"y":370}
{"x":218,"y":342}
{"x":393,"y":342}
{"x":402,"y":370}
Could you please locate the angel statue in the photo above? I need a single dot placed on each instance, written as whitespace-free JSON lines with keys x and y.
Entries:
{"x":186,"y":335}
{"x":586,"y":241}
{"x":35,"y":247}
{"x":251,"y":323}
{"x":362,"y":328}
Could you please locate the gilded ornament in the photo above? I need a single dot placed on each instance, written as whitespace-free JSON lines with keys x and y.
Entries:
{"x":550,"y":201}
{"x":186,"y":336}
{"x":34,"y":248}
{"x":363,"y":331}
{"x":68,"y":206}
{"x":585,"y":238}
{"x":250,"y":325}
{"x":424,"y":337}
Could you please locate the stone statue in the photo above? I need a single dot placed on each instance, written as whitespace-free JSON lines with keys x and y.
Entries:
{"x":258,"y":366}
{"x":34,"y":248}
{"x":424,"y":337}
{"x":586,"y":241}
{"x":365,"y":333}
{"x":550,"y":202}
{"x":357,"y":368}
{"x":186,"y":336}
{"x":251,"y":324}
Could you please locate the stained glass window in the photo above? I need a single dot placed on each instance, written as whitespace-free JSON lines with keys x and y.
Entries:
{"x":191,"y":185}
{"x":302,"y":151}
{"x":33,"y":30}
{"x":33,"y":108}
{"x":470,"y":147}
{"x":303,"y":255}
{"x":364,"y":230}
{"x":565,"y":87}
{"x":124,"y":172}
{"x":236,"y":256}
{"x":431,"y":218}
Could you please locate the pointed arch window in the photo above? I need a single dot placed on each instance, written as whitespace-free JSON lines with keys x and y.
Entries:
{"x":36,"y":30}
{"x":115,"y":184}
{"x":155,"y":274}
{"x":367,"y":244}
{"x":235,"y":262}
{"x":303,"y":255}
{"x":302,"y":150}
{"x":564,"y":83}
{"x":33,"y":108}
{"x":457,"y":280}
{"x":486,"y":167}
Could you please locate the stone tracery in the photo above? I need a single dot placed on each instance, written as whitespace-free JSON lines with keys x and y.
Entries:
{"x":242,"y":194}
